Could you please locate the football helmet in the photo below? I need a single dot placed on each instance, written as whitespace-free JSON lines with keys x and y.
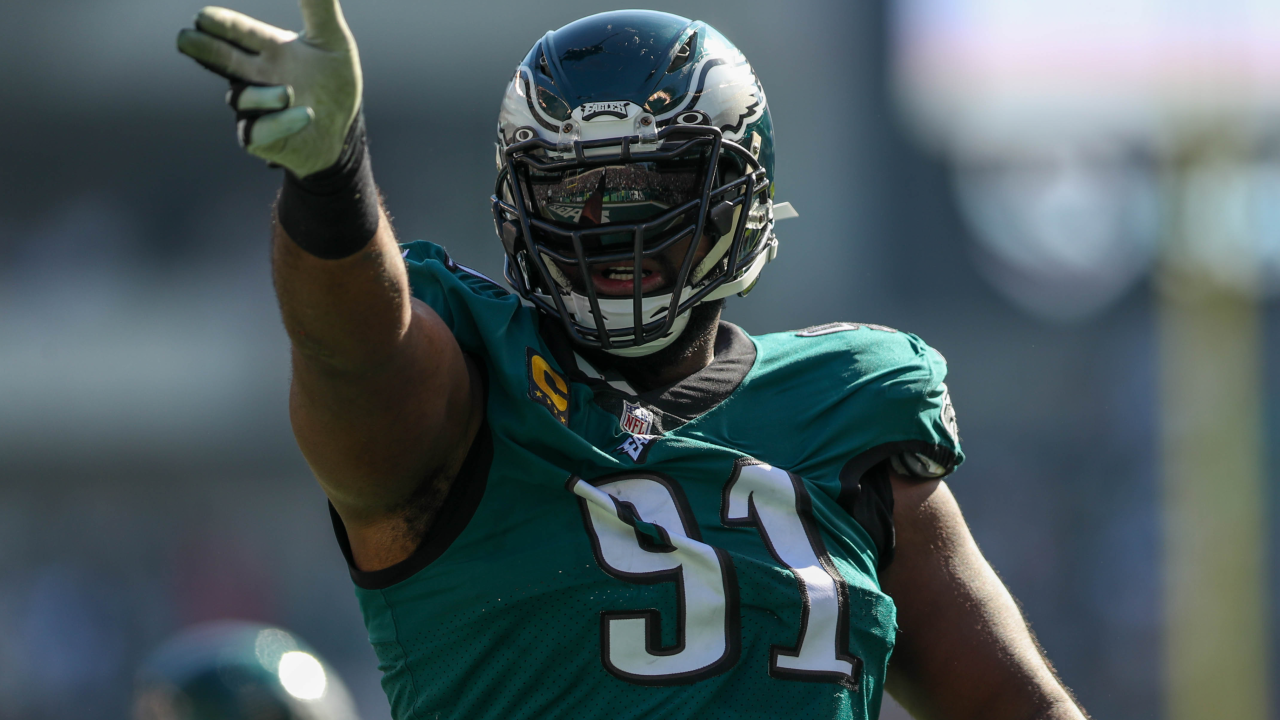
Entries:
{"x":625,"y":137}
{"x":228,"y":670}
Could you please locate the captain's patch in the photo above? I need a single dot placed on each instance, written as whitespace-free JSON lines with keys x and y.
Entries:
{"x":547,"y":388}
{"x":837,"y":327}
{"x":636,"y":419}
{"x":637,"y":447}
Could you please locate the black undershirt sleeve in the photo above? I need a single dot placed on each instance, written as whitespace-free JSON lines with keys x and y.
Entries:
{"x":333,"y":213}
{"x":871,"y":505}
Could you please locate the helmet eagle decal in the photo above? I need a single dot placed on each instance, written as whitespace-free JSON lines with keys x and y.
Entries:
{"x":730,"y":89}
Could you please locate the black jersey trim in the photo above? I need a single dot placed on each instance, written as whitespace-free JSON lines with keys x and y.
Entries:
{"x":459,"y":506}
{"x":867,"y":494}
{"x":697,"y":394}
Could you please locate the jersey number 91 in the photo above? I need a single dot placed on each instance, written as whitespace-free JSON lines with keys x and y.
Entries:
{"x":643,"y":531}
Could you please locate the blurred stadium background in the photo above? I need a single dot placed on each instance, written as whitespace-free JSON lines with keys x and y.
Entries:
{"x":149,"y":480}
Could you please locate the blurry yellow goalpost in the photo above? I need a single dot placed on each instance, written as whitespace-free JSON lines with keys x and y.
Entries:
{"x":1195,"y":83}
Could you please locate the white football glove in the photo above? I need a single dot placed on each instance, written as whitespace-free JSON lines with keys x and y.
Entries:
{"x":295,"y":95}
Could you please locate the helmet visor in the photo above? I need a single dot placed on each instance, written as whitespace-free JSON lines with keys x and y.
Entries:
{"x":619,"y":194}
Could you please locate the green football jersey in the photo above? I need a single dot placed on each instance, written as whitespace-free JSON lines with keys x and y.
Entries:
{"x":684,"y":553}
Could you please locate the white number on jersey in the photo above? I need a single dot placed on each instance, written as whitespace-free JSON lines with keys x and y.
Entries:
{"x":776,"y":503}
{"x":642,"y":531}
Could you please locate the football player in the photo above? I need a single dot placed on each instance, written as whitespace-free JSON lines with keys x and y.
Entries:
{"x":587,"y":496}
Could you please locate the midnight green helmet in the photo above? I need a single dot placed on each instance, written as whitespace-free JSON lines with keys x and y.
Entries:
{"x":239,"y":671}
{"x":620,"y":136}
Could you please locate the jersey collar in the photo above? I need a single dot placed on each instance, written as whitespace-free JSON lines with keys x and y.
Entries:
{"x":735,"y":354}
{"x":673,"y":405}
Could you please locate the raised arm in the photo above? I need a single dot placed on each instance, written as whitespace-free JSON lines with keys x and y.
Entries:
{"x":383,"y":404}
{"x":964,"y":651}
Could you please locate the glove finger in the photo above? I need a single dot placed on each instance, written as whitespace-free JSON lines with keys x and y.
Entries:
{"x":257,"y":98}
{"x":323,"y":23}
{"x":276,"y":126}
{"x":217,"y":55}
{"x":241,"y":30}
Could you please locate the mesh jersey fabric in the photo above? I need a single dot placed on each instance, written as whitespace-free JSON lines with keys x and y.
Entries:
{"x":711,"y":574}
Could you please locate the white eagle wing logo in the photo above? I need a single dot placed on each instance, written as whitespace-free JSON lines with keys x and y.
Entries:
{"x":520,"y":107}
{"x":726,"y":90}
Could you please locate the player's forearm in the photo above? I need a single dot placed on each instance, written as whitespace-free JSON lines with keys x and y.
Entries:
{"x":1022,"y":702}
{"x":339,"y":276}
{"x":350,"y":314}
{"x":964,"y":651}
{"x":1062,"y":708}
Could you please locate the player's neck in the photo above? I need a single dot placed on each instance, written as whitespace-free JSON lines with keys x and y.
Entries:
{"x":692,"y":351}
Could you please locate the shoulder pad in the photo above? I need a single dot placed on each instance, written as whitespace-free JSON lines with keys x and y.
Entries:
{"x":865,"y":391}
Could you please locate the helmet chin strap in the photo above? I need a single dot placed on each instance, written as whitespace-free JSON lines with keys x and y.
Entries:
{"x":619,"y":313}
{"x":648,"y":348}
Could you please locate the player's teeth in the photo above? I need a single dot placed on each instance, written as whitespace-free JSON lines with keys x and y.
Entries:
{"x":624,"y":273}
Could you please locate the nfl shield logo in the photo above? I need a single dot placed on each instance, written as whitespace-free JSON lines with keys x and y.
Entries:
{"x":635,"y":419}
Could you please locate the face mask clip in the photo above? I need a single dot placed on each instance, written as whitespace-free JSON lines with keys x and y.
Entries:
{"x":570,"y":134}
{"x":647,"y":129}
{"x":510,"y":234}
{"x":720,"y":219}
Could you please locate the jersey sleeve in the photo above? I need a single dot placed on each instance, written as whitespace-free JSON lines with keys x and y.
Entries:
{"x":845,"y":403}
{"x":900,"y":381}
{"x":905,"y":380}
{"x":849,"y":396}
{"x":474,"y":307}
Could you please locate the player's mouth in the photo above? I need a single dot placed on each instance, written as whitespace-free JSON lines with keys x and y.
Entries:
{"x":618,"y":279}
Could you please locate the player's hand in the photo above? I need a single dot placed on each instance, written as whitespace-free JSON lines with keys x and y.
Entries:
{"x":295,"y":95}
